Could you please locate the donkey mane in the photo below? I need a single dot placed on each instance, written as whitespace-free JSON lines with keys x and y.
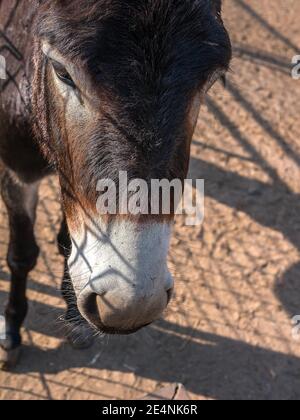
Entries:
{"x":152,"y":33}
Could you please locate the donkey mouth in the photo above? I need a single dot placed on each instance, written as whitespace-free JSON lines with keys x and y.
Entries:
{"x":113,"y":331}
{"x":89,"y":310}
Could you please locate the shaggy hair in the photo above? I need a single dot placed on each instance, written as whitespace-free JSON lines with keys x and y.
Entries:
{"x":147,"y":58}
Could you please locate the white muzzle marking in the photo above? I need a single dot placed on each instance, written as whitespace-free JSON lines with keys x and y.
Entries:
{"x":125,"y":264}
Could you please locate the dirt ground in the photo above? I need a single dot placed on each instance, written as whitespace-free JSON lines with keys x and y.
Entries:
{"x":227,"y":333}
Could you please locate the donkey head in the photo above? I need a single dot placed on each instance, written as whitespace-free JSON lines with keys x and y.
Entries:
{"x":117,"y":87}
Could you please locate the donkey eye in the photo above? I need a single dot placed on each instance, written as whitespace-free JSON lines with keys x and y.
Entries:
{"x":62,"y":74}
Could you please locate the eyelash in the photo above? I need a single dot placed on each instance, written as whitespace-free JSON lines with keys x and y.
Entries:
{"x":63,"y":75}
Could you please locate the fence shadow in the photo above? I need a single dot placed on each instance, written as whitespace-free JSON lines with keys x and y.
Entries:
{"x":226,"y":367}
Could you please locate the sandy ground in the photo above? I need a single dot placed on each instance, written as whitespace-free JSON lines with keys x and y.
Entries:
{"x":227,"y":333}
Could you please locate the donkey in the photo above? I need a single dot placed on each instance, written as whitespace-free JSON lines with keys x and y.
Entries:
{"x":95,"y":87}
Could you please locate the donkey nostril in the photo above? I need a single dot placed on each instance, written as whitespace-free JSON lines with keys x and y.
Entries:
{"x":89,"y":307}
{"x":170,"y":294}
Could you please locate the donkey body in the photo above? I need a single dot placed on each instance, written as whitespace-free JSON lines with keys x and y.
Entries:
{"x":94,"y":87}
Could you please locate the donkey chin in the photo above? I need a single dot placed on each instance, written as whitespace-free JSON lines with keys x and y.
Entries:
{"x":119,"y":273}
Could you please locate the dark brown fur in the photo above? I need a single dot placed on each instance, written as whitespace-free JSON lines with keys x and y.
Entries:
{"x":145,"y":75}
{"x":139,"y":63}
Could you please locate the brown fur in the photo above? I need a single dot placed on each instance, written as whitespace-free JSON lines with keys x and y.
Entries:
{"x":142,"y":87}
